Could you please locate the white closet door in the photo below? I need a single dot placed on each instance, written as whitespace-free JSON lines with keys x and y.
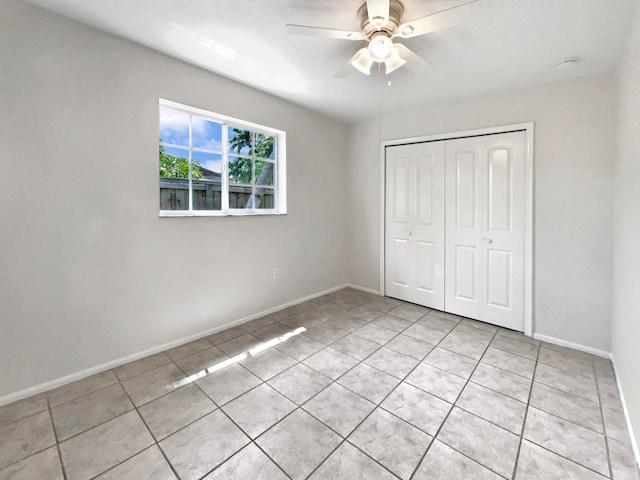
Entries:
{"x":414,"y":235}
{"x":485,"y":190}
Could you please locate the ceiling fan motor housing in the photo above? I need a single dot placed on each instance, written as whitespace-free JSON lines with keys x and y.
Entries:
{"x":396,"y":9}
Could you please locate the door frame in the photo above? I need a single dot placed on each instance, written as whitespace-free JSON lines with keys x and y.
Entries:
{"x":528,"y":128}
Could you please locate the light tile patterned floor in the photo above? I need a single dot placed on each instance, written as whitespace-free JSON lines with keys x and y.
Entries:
{"x":374,"y":389}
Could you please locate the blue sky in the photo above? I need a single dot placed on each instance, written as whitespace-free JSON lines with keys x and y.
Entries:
{"x":207,"y":135}
{"x":174,"y":128}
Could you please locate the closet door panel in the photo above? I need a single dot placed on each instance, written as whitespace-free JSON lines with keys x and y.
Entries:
{"x":504,"y":227}
{"x":414,"y":223}
{"x":485,"y":214}
{"x":463,"y":232}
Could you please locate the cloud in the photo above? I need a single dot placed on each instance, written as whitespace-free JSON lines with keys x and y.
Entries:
{"x":174,"y":128}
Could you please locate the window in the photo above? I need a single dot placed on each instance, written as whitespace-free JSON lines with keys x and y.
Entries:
{"x":216,"y":165}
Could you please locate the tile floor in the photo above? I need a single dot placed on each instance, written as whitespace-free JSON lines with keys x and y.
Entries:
{"x":373,"y":389}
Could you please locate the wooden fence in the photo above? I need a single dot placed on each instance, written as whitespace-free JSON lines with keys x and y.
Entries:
{"x":174,"y":195}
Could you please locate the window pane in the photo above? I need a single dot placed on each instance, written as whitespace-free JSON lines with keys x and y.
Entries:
{"x":240,"y":170}
{"x":265,"y":146}
{"x":206,"y":170}
{"x":174,"y":178}
{"x":174,"y":128}
{"x":265,"y":198}
{"x":206,"y":134}
{"x":240,"y":196}
{"x":265,"y":173}
{"x":240,"y":141}
{"x":174,"y":162}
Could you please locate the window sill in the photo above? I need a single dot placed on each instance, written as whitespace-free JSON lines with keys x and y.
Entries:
{"x":183,"y":213}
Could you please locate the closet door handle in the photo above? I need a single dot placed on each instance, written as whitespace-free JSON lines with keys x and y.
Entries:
{"x":488,"y":240}
{"x":409,"y":234}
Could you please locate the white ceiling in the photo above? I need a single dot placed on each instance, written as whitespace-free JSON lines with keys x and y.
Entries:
{"x":503,"y":45}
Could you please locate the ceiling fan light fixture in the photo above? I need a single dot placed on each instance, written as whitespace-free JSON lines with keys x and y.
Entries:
{"x":380,"y":47}
{"x":394,"y":61}
{"x":363,"y":61}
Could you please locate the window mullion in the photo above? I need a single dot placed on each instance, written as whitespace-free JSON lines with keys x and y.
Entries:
{"x":224,"y":180}
{"x":253,"y":171}
{"x":190,"y":165}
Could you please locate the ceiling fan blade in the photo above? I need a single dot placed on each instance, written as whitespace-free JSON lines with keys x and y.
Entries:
{"x":378,"y":11}
{"x":323,"y":32}
{"x":435,"y":22}
{"x":332,"y":5}
{"x":415,"y":63}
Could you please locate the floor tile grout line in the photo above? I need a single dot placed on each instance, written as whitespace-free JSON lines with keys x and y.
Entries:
{"x":574,"y":462}
{"x":153,"y":437}
{"x":559,"y":367}
{"x":554,"y":452}
{"x":298,"y":407}
{"x":332,"y":382}
{"x":262,"y":382}
{"x":475,"y":382}
{"x":504,"y":369}
{"x":201,"y":339}
{"x":453,"y":405}
{"x":84,"y":394}
{"x":346,"y":440}
{"x":26,"y":416}
{"x":97,"y":425}
{"x":268,"y":456}
{"x":55,"y":436}
{"x":526,"y":414}
{"x":604,"y":424}
{"x":569,"y":392}
{"x":251,"y":440}
{"x":555,"y":415}
{"x":342,"y":442}
{"x":378,"y":405}
{"x":154,"y":444}
{"x":37,"y":451}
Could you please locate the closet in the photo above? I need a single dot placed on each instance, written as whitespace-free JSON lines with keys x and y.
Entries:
{"x":455,"y":226}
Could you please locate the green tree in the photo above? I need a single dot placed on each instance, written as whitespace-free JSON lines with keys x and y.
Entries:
{"x":240,"y":170}
{"x":177,"y":167}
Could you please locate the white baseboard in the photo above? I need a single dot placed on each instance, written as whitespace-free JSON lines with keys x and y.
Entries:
{"x":575,"y":346}
{"x":59,"y":382}
{"x":634,"y":443}
{"x":363,"y":289}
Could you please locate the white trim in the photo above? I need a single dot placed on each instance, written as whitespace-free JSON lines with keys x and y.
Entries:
{"x":634,"y":443}
{"x":363,"y":289}
{"x":575,"y":346}
{"x":59,"y":382}
{"x":217,"y":117}
{"x":528,"y":127}
{"x":217,"y":213}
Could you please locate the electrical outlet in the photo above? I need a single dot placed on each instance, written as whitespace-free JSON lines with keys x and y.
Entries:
{"x":276,"y":273}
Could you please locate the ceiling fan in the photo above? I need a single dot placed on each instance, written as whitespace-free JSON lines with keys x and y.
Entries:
{"x":380,"y":23}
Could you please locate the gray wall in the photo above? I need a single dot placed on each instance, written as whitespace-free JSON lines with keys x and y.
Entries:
{"x":626,"y":233}
{"x":88,"y":271}
{"x":574,"y":152}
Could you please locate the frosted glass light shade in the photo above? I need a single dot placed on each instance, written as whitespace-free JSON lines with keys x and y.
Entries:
{"x":394,"y":61}
{"x":362,"y":61}
{"x":380,"y":47}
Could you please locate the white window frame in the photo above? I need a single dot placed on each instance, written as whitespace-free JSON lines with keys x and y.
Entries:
{"x":279,"y":184}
